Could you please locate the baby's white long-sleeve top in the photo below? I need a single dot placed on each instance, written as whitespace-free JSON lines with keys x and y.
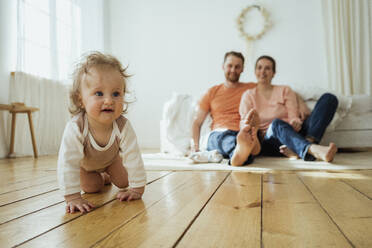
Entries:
{"x":74,"y":151}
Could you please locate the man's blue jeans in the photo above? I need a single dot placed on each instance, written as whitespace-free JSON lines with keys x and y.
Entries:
{"x":225,"y":142}
{"x":281,"y":133}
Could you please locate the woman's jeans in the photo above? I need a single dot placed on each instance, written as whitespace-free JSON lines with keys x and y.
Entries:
{"x":281,"y":133}
{"x":225,"y":142}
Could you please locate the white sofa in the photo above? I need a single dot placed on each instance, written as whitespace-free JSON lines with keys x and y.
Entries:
{"x":354,"y":130}
{"x":350,"y":128}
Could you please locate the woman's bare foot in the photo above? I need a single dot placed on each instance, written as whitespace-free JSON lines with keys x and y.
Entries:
{"x":106,"y":178}
{"x":287,"y":152}
{"x":326,"y":153}
{"x":245,"y":142}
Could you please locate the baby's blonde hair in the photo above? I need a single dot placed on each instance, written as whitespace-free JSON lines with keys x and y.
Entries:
{"x":87,"y":62}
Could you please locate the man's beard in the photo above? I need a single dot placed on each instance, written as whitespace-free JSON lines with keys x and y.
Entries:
{"x":233,"y":77}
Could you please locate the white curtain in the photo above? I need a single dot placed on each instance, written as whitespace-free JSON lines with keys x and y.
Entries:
{"x":348,"y":34}
{"x":48,"y":44}
{"x":48,"y":37}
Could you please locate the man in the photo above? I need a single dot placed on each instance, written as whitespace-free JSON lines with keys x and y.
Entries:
{"x":222,"y":101}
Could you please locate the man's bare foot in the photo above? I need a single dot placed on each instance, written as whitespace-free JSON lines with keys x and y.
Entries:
{"x":106,"y":178}
{"x":326,"y":153}
{"x":287,"y":152}
{"x":245,"y":143}
{"x":253,"y":120}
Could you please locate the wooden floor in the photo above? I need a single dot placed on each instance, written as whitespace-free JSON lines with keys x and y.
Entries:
{"x":190,"y":209}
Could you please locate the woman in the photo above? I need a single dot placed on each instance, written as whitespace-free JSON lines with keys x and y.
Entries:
{"x":281,"y":124}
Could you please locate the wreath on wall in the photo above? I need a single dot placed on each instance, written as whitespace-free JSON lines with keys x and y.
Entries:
{"x":249,"y":38}
{"x":242,"y":20}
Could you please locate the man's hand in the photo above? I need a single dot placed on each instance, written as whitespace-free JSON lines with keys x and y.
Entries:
{"x":131,"y":194}
{"x":198,"y":119}
{"x":76,"y":202}
{"x":195,"y":148}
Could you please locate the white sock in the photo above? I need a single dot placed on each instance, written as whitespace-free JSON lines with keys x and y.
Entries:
{"x":206,"y":157}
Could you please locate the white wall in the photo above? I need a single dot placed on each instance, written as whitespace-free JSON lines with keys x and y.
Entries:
{"x":92,"y":23}
{"x":178,"y":46}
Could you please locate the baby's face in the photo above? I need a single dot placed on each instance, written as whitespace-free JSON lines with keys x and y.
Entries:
{"x":102,"y":95}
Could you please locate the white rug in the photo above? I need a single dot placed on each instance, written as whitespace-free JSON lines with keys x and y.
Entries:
{"x":342,"y":161}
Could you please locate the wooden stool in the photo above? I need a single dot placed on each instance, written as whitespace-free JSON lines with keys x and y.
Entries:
{"x":14,"y":109}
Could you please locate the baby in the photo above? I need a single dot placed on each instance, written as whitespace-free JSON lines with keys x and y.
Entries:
{"x":99,"y":145}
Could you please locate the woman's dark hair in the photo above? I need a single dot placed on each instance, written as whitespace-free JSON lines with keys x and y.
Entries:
{"x":268,"y":58}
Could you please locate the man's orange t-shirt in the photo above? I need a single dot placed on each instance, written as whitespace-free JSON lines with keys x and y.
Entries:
{"x":223,"y":104}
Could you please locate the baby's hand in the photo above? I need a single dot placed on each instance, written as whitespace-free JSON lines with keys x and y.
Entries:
{"x":130,"y":194}
{"x":76,"y":202}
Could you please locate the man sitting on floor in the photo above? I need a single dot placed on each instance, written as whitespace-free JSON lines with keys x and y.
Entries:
{"x":222,"y":102}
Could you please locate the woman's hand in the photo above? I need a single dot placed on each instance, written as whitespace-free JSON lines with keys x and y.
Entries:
{"x":296,"y":124}
{"x":131,"y":194}
{"x":304,"y":113}
{"x":303,"y":110}
{"x":76,"y":202}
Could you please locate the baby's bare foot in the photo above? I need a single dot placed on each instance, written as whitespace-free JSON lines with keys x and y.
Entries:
{"x":326,"y":153}
{"x":245,"y":143}
{"x":106,"y":178}
{"x":287,"y":152}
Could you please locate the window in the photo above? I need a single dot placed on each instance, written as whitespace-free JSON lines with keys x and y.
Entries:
{"x":48,"y":36}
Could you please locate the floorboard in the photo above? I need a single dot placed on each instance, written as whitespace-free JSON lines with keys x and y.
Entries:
{"x":29,"y":205}
{"x":33,"y":190}
{"x":165,"y":222}
{"x":232,"y":218}
{"x":20,"y":230}
{"x":350,"y":210}
{"x":362,"y":182}
{"x":275,"y":208}
{"x":110,"y":217}
{"x":26,"y":181}
{"x":290,"y":214}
